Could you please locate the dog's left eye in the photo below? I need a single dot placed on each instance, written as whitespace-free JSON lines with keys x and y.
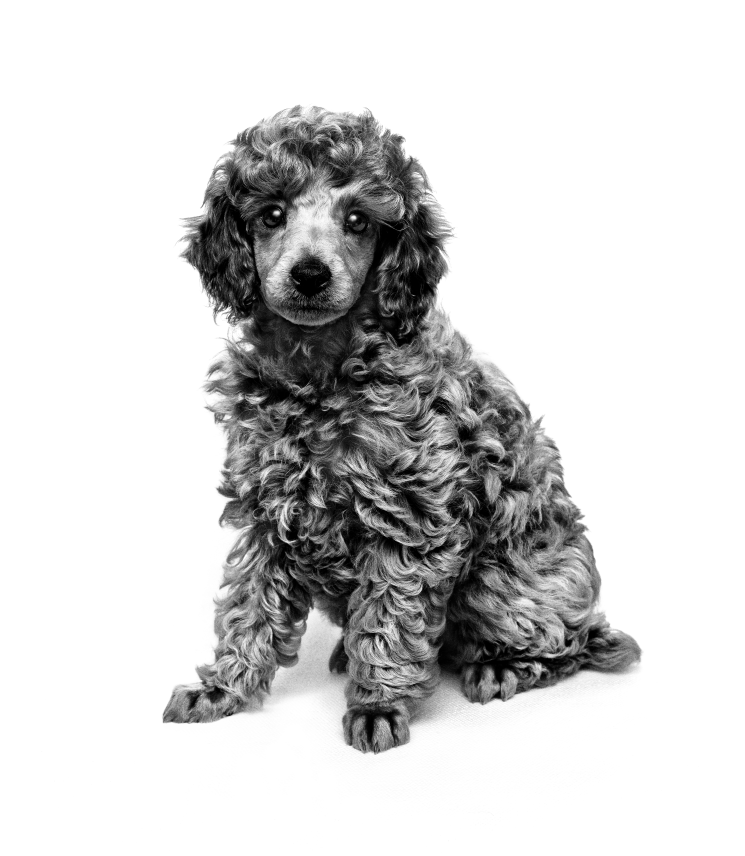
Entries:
{"x":357,"y":222}
{"x":272,"y":216}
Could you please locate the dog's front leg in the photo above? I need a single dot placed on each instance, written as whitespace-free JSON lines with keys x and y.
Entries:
{"x":396,"y":622}
{"x":259,"y":624}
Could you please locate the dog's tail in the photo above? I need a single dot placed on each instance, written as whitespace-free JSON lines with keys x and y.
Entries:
{"x":609,"y":650}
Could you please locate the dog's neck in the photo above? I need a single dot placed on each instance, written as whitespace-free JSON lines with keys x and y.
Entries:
{"x":315,"y":360}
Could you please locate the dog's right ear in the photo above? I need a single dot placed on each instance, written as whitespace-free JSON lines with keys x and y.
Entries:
{"x":219,"y":247}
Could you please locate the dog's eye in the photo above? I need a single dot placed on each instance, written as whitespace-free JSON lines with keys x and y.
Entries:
{"x":272,"y":216}
{"x":357,"y":222}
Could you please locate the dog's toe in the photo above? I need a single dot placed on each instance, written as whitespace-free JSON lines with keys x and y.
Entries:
{"x":508,"y":684}
{"x":375,"y":729}
{"x":199,"y":703}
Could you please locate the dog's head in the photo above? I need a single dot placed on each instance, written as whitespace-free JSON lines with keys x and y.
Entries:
{"x":309,"y":209}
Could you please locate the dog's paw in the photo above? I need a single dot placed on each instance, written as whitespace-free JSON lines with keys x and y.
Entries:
{"x":375,"y":729}
{"x":199,"y":703}
{"x":483,"y":682}
{"x":338,"y":661}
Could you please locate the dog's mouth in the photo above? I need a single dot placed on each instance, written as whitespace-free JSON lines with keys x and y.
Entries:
{"x":310,"y":304}
{"x":313,"y":309}
{"x":307,"y":314}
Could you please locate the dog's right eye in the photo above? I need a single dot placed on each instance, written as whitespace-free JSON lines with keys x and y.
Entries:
{"x":272,"y":216}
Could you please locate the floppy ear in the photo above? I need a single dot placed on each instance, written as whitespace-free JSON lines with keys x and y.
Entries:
{"x":412,"y":258}
{"x":218,"y":246}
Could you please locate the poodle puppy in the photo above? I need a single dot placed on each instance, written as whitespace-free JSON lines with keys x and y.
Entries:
{"x":376,"y":469}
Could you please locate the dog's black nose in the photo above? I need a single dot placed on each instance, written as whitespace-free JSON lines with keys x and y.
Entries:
{"x":310,"y":276}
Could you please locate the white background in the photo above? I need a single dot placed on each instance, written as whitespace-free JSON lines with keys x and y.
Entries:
{"x":590,"y":158}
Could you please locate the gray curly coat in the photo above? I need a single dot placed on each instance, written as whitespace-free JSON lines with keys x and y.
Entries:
{"x":376,"y":469}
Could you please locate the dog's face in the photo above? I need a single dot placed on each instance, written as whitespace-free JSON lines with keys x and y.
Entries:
{"x":314,"y":252}
{"x":308,"y":209}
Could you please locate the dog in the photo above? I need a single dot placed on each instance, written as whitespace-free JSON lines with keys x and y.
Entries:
{"x":376,"y":469}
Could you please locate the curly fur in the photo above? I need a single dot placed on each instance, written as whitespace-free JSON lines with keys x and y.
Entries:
{"x":376,"y":469}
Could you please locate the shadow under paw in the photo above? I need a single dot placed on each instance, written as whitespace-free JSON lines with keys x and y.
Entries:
{"x":483,"y":682}
{"x":199,"y":703}
{"x":375,"y":729}
{"x":338,"y":661}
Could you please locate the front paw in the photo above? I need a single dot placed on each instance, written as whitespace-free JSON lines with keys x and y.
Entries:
{"x":375,"y":729}
{"x":199,"y":703}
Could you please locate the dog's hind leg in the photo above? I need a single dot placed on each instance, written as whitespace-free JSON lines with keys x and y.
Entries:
{"x":524,"y":620}
{"x":339,"y":659}
{"x":335,"y":609}
{"x":258,"y":623}
{"x":606,"y":650}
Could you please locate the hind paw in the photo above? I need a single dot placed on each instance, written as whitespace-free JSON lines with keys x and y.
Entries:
{"x":483,"y":682}
{"x":199,"y":703}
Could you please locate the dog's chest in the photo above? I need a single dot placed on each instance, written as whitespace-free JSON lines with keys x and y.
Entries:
{"x":329,"y":467}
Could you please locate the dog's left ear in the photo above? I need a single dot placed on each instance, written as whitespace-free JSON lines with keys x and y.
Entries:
{"x":412,"y":260}
{"x":218,"y":245}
